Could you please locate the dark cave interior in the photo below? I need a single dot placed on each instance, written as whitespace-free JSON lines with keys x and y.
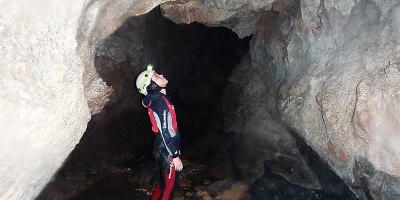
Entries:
{"x":197,"y":60}
{"x":113,"y":159}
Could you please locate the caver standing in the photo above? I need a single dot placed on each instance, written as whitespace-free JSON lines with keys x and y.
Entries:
{"x":166,"y":147}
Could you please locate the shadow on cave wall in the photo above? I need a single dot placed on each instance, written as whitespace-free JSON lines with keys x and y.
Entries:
{"x":197,"y":60}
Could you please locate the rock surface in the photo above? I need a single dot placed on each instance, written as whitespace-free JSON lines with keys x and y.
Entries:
{"x":332,"y":76}
{"x":239,"y":15}
{"x":330,"y":70}
{"x":47,"y":47}
{"x":43,"y":109}
{"x":259,"y":139}
{"x":97,"y":21}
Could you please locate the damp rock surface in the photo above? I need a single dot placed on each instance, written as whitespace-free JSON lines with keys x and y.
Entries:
{"x":331,"y":70}
{"x":258,"y":139}
{"x":43,"y":109}
{"x":239,"y":15}
{"x":46,"y":48}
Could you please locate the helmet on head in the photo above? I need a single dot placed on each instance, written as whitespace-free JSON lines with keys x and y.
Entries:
{"x":144,"y":79}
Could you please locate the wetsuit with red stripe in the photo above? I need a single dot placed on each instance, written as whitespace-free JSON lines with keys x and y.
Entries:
{"x":167,"y":142}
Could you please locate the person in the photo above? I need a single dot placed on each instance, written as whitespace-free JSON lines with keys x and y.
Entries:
{"x":166,"y":146}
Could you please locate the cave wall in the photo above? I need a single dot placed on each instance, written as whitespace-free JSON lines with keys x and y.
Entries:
{"x":238,"y":15}
{"x":97,"y":21}
{"x":332,"y":77}
{"x":47,"y":46}
{"x":259,"y":139}
{"x":331,"y":70}
{"x":43,"y":109}
{"x":349,"y":73}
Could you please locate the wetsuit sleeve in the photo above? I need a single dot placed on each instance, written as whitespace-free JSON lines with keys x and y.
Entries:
{"x":162,"y":115}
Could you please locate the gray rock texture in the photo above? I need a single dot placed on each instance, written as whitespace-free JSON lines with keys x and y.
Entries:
{"x":97,"y":21}
{"x":239,"y":15}
{"x":258,"y":138}
{"x":43,"y":109}
{"x":331,"y":71}
{"x":47,"y":76}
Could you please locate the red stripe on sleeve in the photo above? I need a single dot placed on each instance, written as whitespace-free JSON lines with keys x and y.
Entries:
{"x":154,"y":127}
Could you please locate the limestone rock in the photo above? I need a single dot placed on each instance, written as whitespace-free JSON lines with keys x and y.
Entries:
{"x":47,"y":47}
{"x":259,"y":139}
{"x":332,"y":73}
{"x":97,"y":21}
{"x":43,"y":109}
{"x":239,"y":15}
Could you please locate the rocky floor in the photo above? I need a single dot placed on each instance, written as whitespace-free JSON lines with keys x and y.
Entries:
{"x":135,"y":181}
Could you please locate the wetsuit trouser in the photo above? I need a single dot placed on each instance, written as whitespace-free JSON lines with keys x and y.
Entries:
{"x":164,"y":190}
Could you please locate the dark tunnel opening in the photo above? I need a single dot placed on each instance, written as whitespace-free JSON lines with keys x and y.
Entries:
{"x":232,"y":148}
{"x":113,"y":159}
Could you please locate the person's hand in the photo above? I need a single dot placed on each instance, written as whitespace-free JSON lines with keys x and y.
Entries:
{"x":178,"y":164}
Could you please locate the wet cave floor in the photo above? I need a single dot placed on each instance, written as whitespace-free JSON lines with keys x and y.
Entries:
{"x":135,"y":180}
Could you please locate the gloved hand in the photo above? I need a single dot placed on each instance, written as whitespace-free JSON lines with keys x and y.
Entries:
{"x":178,"y":164}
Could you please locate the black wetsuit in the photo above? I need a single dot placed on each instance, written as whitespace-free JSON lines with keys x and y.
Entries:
{"x":167,"y":142}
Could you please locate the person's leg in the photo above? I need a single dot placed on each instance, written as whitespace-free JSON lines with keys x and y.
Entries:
{"x":157,"y":157}
{"x":164,"y":189}
{"x":176,"y":179}
{"x":156,"y":192}
{"x":168,"y":183}
{"x":157,"y":189}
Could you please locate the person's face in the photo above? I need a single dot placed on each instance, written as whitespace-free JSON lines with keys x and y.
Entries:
{"x":160,"y":80}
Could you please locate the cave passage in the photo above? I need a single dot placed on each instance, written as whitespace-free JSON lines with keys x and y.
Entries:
{"x":113,"y":159}
{"x":232,"y":148}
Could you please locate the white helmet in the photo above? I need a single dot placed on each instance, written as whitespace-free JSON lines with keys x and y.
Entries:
{"x":144,"y":79}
